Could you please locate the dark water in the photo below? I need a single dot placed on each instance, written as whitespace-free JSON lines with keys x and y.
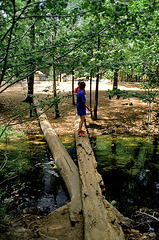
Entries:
{"x":29,"y":177}
{"x":130,"y":170}
{"x":129,"y":167}
{"x":69,"y":143}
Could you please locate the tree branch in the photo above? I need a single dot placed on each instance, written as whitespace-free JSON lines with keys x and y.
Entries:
{"x":80,"y":43}
{"x":55,"y":16}
{"x":11,"y":121}
{"x":23,"y":34}
{"x":44,"y":49}
{"x":7,"y":81}
{"x":28,"y":120}
{"x":8,"y":46}
{"x":149,"y":215}
{"x":4,"y":162}
{"x":15,"y":20}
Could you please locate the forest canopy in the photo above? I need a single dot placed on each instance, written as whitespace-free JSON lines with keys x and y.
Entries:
{"x":97,"y":35}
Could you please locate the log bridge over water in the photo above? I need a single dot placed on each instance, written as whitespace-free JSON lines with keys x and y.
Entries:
{"x":101,"y":220}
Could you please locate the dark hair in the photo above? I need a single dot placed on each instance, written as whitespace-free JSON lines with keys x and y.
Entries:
{"x":82,"y":85}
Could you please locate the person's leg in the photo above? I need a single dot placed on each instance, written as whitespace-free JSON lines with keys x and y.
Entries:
{"x":82,"y":118}
{"x":80,"y":132}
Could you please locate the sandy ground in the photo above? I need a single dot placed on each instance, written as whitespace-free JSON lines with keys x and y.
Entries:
{"x":123,"y":116}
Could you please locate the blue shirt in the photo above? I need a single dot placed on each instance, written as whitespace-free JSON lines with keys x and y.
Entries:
{"x":81,"y":100}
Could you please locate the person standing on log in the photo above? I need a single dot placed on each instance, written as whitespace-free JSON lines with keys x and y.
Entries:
{"x":81,"y":106}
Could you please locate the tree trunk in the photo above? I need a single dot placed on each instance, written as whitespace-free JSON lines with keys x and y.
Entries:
{"x":115,"y":84}
{"x":3,"y":70}
{"x":100,"y":221}
{"x":64,"y":163}
{"x":30,"y":78}
{"x":54,"y":86}
{"x":96,"y":96}
{"x":55,"y":94}
{"x":73,"y":97}
{"x":97,"y":84}
{"x":91,"y":91}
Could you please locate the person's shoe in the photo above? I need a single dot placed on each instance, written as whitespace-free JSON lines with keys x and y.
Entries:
{"x":80,"y":133}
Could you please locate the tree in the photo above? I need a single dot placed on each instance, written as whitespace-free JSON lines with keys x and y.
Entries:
{"x":127,"y":32}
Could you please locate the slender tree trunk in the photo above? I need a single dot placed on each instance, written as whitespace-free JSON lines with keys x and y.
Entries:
{"x":91,"y":91}
{"x":136,"y":78}
{"x":97,"y":85}
{"x":30,"y":78}
{"x":96,"y":95}
{"x":8,"y":44}
{"x":127,"y":78}
{"x":54,"y":85}
{"x":115,"y":84}
{"x":55,"y":93}
{"x":29,"y":99}
{"x":73,"y":97}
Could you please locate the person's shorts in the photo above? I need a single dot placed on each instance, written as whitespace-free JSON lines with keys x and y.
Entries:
{"x":81,"y":111}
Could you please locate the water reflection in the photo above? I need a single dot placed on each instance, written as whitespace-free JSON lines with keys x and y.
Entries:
{"x":69,"y":143}
{"x":130,"y":169}
{"x":37,"y":182}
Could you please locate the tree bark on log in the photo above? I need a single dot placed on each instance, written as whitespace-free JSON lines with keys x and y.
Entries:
{"x":65,"y":165}
{"x":100,"y":221}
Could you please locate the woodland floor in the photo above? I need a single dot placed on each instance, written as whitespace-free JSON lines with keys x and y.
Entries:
{"x":123,"y":116}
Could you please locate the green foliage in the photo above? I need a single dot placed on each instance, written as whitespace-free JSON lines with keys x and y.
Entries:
{"x":108,"y":74}
{"x":87,"y":36}
{"x":5,"y":135}
{"x":149,"y":95}
{"x":50,"y":102}
{"x":122,"y":23}
{"x":9,"y":134}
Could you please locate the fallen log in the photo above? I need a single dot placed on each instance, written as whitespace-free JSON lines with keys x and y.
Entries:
{"x":101,"y":221}
{"x":64,"y":163}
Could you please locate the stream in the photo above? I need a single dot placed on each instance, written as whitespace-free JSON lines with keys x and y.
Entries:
{"x":129,"y":167}
{"x":29,"y":179}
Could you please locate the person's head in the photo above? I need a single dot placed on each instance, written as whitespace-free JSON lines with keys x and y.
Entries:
{"x":78,"y":83}
{"x":82,"y":85}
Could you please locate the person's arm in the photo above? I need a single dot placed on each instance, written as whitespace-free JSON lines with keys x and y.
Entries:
{"x":90,"y":109}
{"x":83,"y":101}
